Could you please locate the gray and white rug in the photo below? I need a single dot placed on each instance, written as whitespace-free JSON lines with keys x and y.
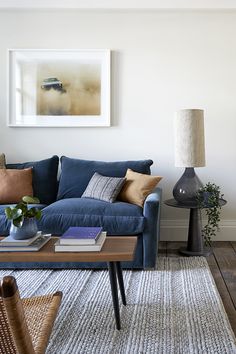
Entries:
{"x":175,"y":309}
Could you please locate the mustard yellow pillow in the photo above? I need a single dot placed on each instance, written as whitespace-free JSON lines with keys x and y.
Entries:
{"x":14,"y":184}
{"x":2,"y":161}
{"x":137,"y":187}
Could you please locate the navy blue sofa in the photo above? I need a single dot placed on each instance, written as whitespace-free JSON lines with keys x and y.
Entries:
{"x":62,"y":207}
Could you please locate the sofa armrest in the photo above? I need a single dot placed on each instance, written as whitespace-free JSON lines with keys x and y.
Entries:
{"x":151,"y":233}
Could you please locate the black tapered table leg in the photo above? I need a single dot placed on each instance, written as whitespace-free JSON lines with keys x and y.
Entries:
{"x":114,"y":292}
{"x":121,"y":282}
{"x":195,"y":245}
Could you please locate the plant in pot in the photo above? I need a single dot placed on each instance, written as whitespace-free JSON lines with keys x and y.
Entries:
{"x":209,"y":198}
{"x":23,"y":218}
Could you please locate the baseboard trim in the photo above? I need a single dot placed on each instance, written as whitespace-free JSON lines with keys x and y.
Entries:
{"x":177,"y":230}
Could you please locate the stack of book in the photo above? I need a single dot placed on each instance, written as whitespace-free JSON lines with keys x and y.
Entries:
{"x":81,"y":239}
{"x":9,"y":244}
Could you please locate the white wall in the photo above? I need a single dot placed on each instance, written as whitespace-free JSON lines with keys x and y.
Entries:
{"x":118,"y":4}
{"x":162,"y":61}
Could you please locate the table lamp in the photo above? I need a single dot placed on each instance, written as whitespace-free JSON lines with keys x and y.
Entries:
{"x":189,"y":153}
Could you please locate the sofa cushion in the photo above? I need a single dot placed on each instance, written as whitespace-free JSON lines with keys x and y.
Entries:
{"x":137,"y":187}
{"x":117,"y":218}
{"x":44,"y":178}
{"x":103,"y":187}
{"x":15,"y":184}
{"x":76,"y":173}
{"x":4,"y":223}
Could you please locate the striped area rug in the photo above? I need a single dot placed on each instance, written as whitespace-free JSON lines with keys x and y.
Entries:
{"x":175,"y":309}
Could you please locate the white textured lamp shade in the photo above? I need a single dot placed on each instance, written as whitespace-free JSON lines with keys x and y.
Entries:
{"x":189,"y":138}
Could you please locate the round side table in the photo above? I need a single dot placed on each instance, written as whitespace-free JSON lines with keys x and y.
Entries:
{"x":195,"y":245}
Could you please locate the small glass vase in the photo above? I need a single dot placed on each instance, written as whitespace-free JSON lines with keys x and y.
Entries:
{"x":28,"y":229}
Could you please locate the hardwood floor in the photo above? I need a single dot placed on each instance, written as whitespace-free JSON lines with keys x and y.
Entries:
{"x":222,"y":264}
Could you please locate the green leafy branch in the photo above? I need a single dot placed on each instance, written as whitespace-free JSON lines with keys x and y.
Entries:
{"x":22,"y":210}
{"x":208,"y":198}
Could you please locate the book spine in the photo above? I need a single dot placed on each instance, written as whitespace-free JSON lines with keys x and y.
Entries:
{"x":76,"y":249}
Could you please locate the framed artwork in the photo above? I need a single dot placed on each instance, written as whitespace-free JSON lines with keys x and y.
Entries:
{"x":58,"y":88}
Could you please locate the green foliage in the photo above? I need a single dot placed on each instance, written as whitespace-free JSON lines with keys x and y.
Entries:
{"x":30,"y":200}
{"x":22,"y":210}
{"x":208,"y":198}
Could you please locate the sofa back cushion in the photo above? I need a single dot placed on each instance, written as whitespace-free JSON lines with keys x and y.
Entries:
{"x":76,"y":173}
{"x":45,"y":183}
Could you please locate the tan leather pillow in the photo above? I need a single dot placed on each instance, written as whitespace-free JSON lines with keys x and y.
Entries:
{"x":14,"y":184}
{"x":2,"y":161}
{"x":137,"y":187}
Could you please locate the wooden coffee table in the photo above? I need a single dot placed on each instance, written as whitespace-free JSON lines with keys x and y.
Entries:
{"x":115,"y":250}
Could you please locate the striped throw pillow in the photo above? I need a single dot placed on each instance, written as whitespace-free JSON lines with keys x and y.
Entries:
{"x":103,"y":187}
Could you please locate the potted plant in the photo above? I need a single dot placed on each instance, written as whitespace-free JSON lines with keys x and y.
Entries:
{"x":23,"y":218}
{"x":208,"y":198}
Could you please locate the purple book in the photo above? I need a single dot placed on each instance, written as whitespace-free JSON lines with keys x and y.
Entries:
{"x":77,"y":235}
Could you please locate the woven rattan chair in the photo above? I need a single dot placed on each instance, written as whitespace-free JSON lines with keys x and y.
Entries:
{"x":25,"y":324}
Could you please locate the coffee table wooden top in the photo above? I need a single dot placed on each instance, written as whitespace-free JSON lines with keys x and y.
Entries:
{"x":115,"y":249}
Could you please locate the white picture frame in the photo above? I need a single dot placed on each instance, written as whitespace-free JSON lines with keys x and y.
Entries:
{"x":59,"y":88}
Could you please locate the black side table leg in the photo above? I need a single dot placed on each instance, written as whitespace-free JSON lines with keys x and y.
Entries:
{"x":195,"y":242}
{"x":114,"y":292}
{"x":121,"y":282}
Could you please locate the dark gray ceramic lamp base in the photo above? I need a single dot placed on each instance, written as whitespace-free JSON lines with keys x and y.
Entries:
{"x":187,"y":186}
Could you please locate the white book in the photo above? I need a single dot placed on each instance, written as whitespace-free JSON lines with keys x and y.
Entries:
{"x":10,"y":241}
{"x":38,"y":243}
{"x":82,"y":248}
